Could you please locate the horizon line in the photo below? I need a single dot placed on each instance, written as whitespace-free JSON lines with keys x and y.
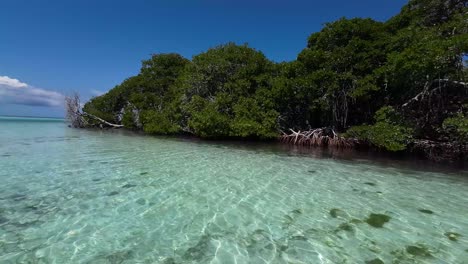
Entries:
{"x":53,"y":117}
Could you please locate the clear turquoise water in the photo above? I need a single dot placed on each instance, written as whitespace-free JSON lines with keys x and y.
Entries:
{"x":77,"y":196}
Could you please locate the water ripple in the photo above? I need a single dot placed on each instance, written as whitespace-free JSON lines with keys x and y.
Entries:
{"x":76,"y":196}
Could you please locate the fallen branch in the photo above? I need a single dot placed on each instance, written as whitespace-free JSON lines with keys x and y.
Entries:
{"x":81,"y":119}
{"x":101,"y":120}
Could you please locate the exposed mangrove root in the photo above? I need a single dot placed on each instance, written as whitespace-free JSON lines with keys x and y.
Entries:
{"x":319,"y":137}
{"x":440,"y":151}
{"x":81,"y":119}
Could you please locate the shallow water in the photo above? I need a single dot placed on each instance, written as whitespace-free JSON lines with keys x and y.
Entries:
{"x":77,"y":196}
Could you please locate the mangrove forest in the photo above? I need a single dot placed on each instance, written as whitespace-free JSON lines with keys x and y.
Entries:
{"x":398,"y":85}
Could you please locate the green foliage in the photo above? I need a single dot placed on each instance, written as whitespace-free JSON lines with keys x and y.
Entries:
{"x":250,"y":120}
{"x":128,"y":119}
{"x":387,"y":133}
{"x":207,"y":118}
{"x":155,"y":122}
{"x":383,"y":135}
{"x":161,"y":71}
{"x":108,"y":106}
{"x":428,"y":42}
{"x":338,"y":67}
{"x":458,"y":125}
{"x":389,"y":115}
{"x":149,"y":90}
{"x":225,"y":89}
{"x":349,"y":75}
{"x":428,"y":13}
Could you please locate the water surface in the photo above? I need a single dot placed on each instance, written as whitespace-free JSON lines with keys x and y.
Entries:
{"x":78,"y":196}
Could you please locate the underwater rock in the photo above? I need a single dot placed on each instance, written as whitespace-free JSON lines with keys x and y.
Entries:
{"x":452,"y":236}
{"x":356,"y":221}
{"x":283,"y":248}
{"x":258,"y":235}
{"x":6,"y":248}
{"x":18,"y":197}
{"x":297,"y":212}
{"x":199,"y":251}
{"x":313,"y":233}
{"x":27,"y":224}
{"x":335,"y":213}
{"x":419,"y":250}
{"x":31,"y":207}
{"x":373,"y":247}
{"x":117,"y":257}
{"x":3,"y":220}
{"x":302,"y":238}
{"x":259,"y":245}
{"x":113,"y":193}
{"x":345,"y":227}
{"x":426,"y":211}
{"x":377,"y":220}
{"x":141,"y":201}
{"x":375,"y":261}
{"x":290,"y":218}
{"x":169,"y":261}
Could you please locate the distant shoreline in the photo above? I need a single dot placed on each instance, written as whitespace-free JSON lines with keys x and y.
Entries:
{"x":42,"y":117}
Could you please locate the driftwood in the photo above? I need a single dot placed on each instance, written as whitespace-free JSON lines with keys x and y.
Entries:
{"x":320,"y":137}
{"x":80,"y":119}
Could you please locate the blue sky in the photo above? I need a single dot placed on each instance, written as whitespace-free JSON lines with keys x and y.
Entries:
{"x":52,"y":48}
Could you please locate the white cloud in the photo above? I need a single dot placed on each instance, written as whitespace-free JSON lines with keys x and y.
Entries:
{"x":13,"y":91}
{"x":10,"y":82}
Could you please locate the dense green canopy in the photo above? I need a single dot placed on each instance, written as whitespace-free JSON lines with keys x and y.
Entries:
{"x":355,"y":75}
